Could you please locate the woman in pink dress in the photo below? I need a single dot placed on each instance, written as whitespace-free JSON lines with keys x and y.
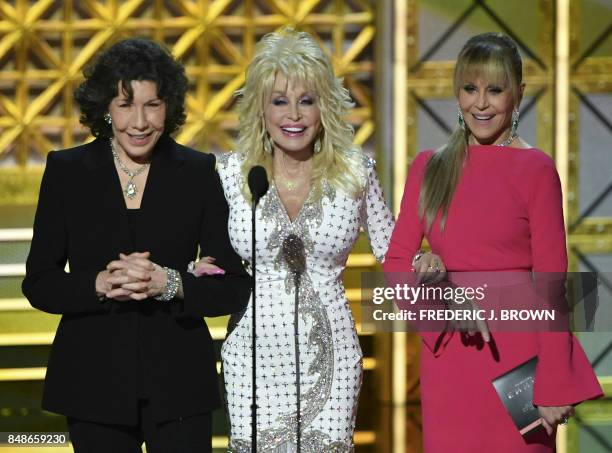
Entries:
{"x":488,"y":201}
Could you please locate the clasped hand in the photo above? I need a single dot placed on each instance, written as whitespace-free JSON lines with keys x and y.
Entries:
{"x":131,"y":277}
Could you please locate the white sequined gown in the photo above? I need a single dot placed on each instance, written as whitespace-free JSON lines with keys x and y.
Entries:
{"x":330,"y":355}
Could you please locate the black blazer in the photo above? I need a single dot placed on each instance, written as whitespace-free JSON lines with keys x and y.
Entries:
{"x":107,"y":354}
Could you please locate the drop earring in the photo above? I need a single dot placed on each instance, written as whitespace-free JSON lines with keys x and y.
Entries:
{"x":515,"y":123}
{"x":267,"y":144}
{"x":460,"y":119}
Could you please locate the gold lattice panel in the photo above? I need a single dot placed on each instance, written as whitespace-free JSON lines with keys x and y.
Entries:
{"x":588,"y":215}
{"x":44,"y":46}
{"x":590,"y":76}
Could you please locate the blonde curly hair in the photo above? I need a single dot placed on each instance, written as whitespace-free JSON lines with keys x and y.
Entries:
{"x":299,"y":58}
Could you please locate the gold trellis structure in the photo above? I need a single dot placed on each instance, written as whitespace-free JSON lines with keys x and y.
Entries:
{"x":45,"y":45}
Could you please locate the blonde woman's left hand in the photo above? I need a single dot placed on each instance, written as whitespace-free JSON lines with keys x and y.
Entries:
{"x":205,"y":266}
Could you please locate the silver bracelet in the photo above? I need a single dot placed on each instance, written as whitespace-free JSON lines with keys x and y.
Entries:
{"x":173,"y":283}
{"x":191,"y":267}
{"x":417,"y":257}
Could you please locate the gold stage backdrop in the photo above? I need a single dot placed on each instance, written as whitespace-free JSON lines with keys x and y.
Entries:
{"x":396,"y":57}
{"x":45,"y":45}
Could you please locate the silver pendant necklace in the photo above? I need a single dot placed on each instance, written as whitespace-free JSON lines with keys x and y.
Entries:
{"x":131,"y":189}
{"x":508,"y":140}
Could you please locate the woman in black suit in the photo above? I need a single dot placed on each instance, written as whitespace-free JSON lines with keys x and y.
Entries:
{"x":132,"y":360}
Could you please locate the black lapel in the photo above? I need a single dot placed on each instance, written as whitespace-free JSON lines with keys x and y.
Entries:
{"x":158,"y":198}
{"x":104,"y":182}
{"x":162,"y":174}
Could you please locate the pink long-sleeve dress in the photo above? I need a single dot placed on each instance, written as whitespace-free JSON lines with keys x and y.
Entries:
{"x":506,"y":215}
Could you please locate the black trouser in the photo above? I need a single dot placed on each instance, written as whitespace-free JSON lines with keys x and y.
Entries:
{"x":186,"y":435}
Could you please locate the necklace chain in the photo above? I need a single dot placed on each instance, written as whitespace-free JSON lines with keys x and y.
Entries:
{"x":131,"y":189}
{"x":508,"y":140}
{"x":291,"y":185}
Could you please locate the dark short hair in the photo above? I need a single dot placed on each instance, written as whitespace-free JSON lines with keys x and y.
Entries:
{"x":126,"y":61}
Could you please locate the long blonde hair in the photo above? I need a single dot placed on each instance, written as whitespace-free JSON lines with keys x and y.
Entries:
{"x":298,"y":56}
{"x":494,"y":57}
